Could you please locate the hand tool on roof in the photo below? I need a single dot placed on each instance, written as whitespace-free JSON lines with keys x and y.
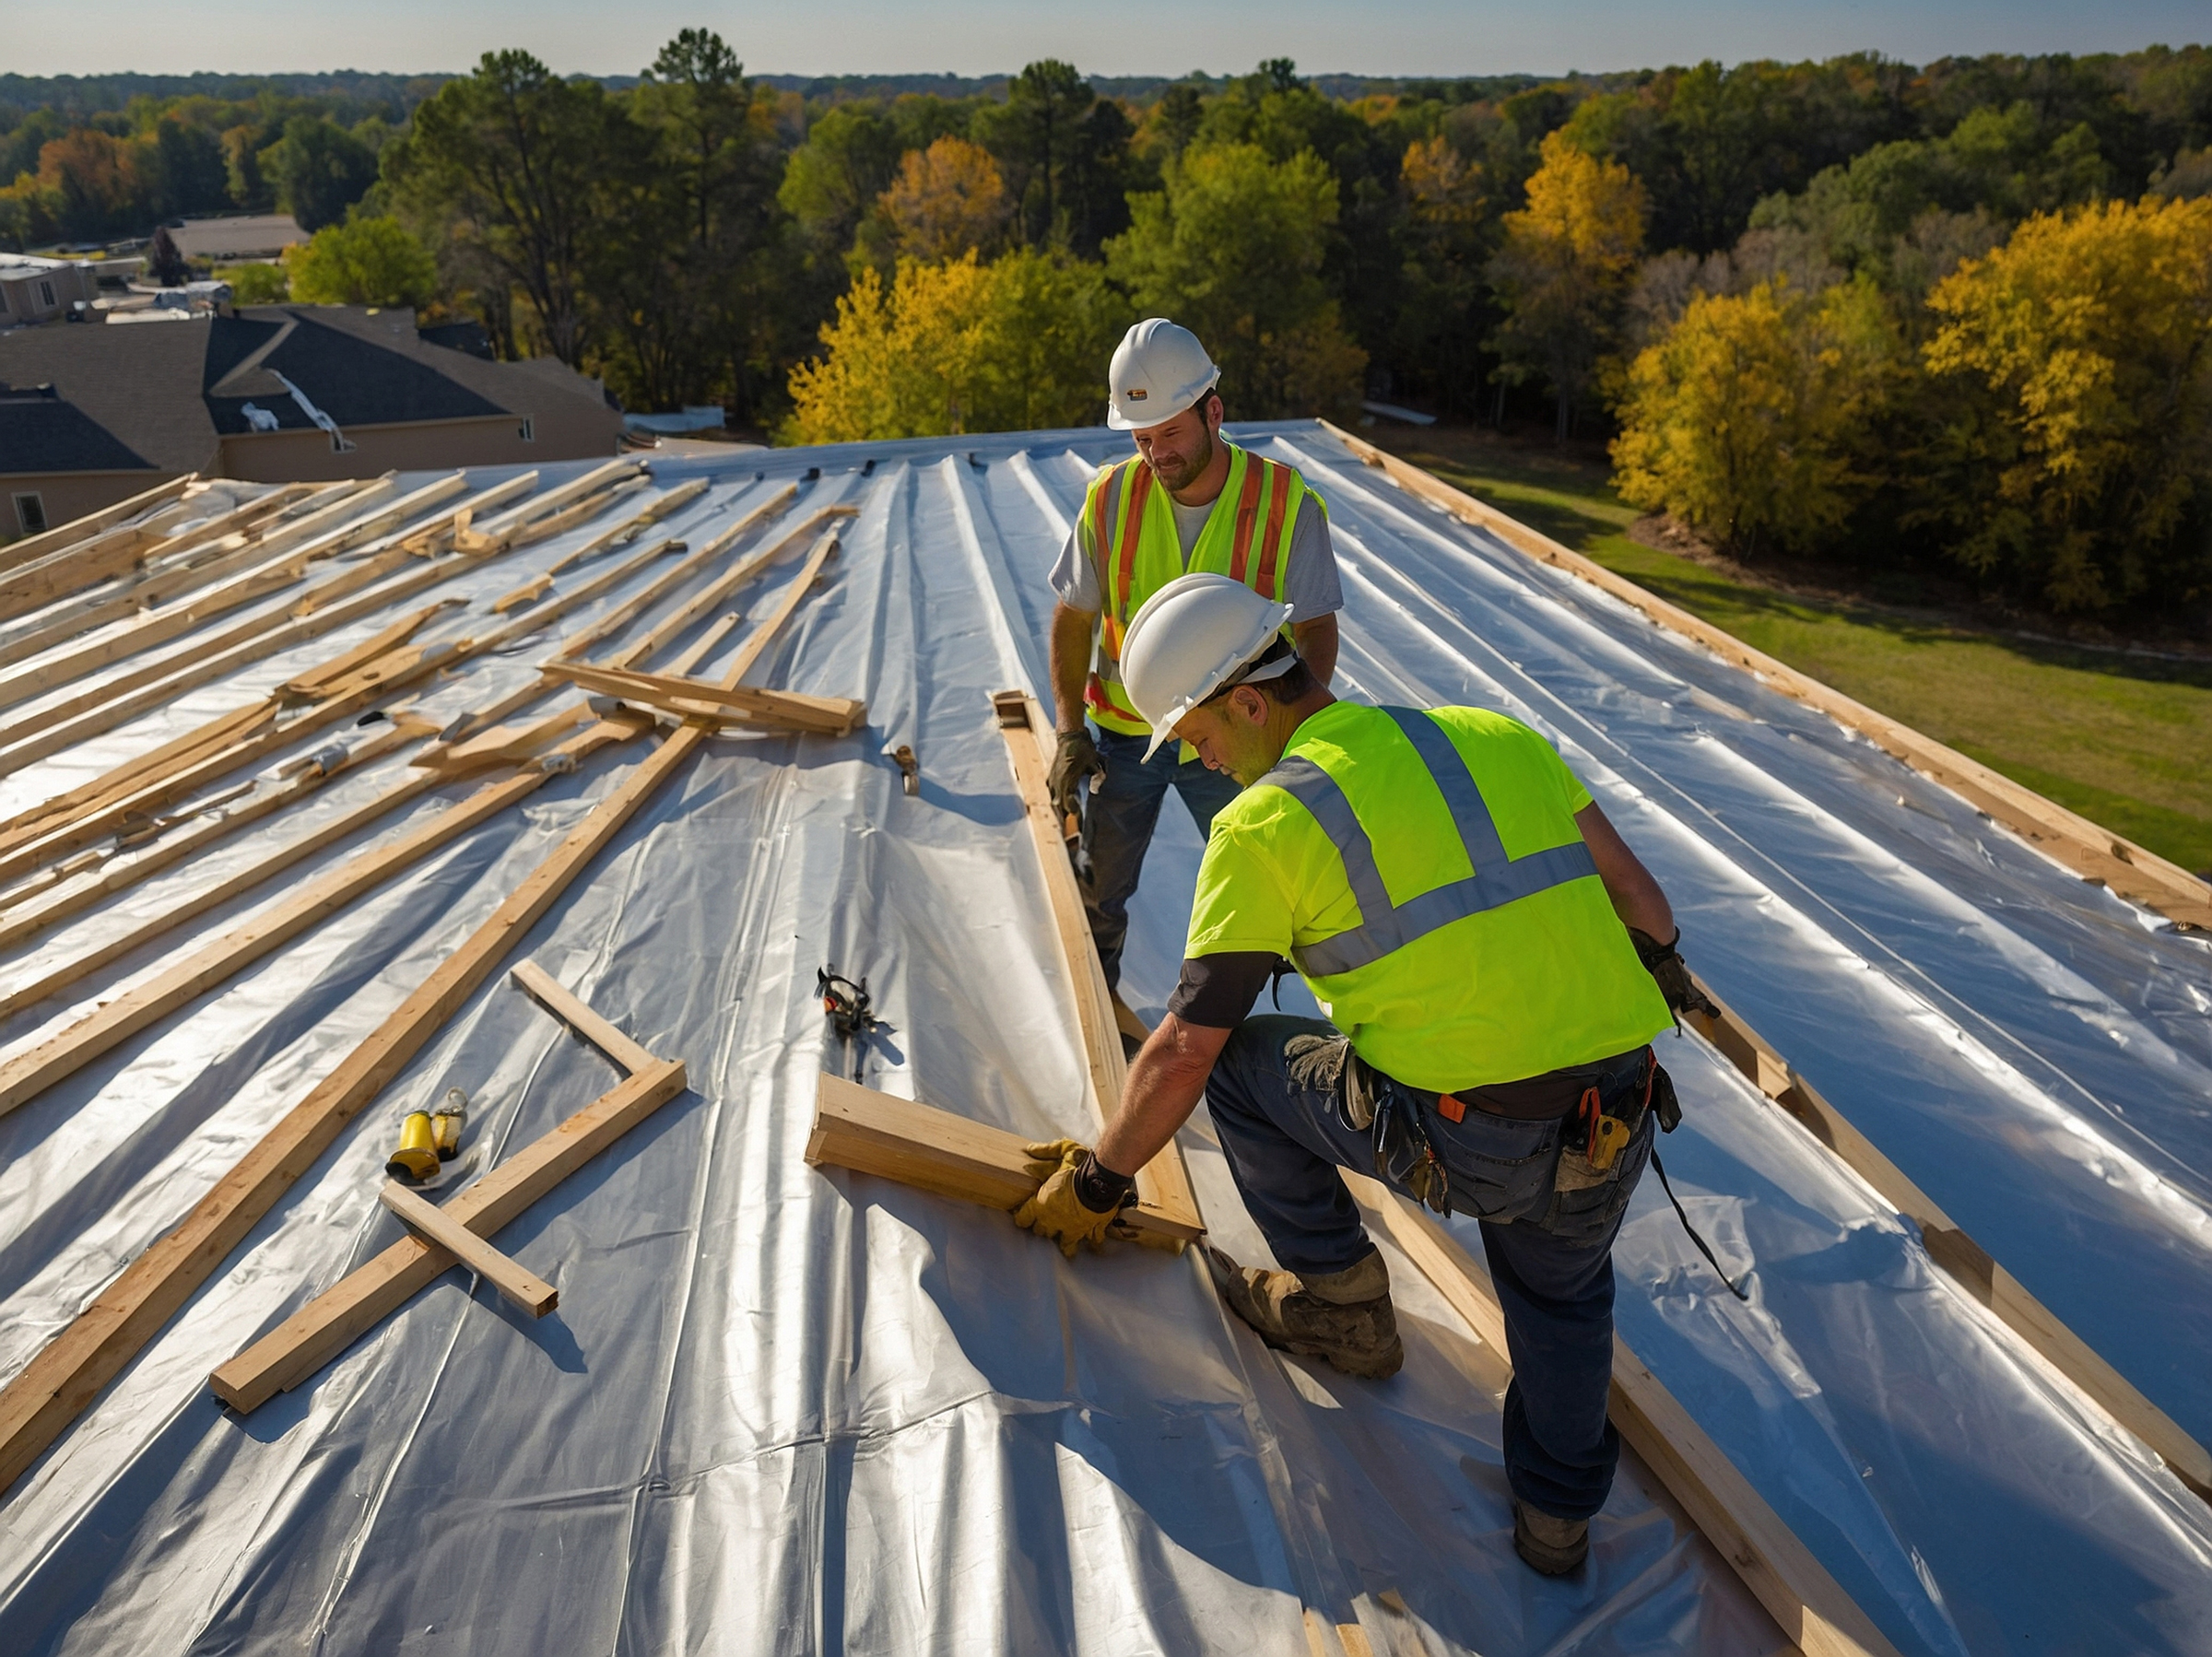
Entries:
{"x":428,"y":1140}
{"x":849,"y":1013}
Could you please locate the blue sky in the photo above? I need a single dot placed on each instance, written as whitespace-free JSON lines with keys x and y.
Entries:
{"x":1132,"y":37}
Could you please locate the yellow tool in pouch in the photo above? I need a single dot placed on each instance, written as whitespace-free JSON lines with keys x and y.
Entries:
{"x":1607,"y":1141}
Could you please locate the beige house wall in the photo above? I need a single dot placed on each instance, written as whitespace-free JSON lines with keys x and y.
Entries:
{"x":585,"y":433}
{"x":25,"y":297}
{"x":68,"y":495}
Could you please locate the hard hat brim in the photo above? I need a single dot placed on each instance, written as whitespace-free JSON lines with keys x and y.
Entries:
{"x":1118,"y":421}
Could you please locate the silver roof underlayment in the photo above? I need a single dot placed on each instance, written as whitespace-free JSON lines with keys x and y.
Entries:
{"x":788,"y":1410}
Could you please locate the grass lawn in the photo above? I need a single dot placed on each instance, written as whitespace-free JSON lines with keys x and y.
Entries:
{"x":2124,"y":740}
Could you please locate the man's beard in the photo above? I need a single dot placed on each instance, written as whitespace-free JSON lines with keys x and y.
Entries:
{"x":1181,"y":478}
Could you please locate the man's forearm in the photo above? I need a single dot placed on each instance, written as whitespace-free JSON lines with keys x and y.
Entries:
{"x":1165,"y":1084}
{"x":1316,"y":640}
{"x":1072,"y":631}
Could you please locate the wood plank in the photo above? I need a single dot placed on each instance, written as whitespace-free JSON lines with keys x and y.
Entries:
{"x":545,"y":989}
{"x":701,"y":648}
{"x":918,"y":1144}
{"x":788,"y":710}
{"x":1781,"y":1573}
{"x":320,"y":1330}
{"x":31,"y":1071}
{"x":517,"y":1284}
{"x":1952,"y":1249}
{"x":500,"y":534}
{"x":688,"y":613}
{"x":126,"y":870}
{"x":63,"y":537}
{"x":69,"y":1371}
{"x":2089,"y":848}
{"x":1162,"y":1183}
{"x":502,"y":745}
{"x":630,"y":529}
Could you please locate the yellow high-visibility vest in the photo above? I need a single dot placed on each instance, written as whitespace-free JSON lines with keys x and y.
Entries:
{"x":1247,"y":537}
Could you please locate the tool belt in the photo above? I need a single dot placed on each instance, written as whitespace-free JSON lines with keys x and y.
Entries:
{"x":1601,"y":1122}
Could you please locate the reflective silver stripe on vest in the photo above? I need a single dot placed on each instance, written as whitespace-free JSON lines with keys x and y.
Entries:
{"x":1383,"y":925}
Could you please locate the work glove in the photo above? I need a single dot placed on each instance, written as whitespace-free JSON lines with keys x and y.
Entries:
{"x":1075,"y":760}
{"x":1057,"y":1209}
{"x":1664,"y":962}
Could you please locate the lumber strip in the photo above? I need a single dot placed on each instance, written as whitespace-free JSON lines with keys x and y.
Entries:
{"x":2088,"y":849}
{"x":326,"y":1326}
{"x":688,"y":613}
{"x":517,"y":1284}
{"x":631,"y":527}
{"x":33,"y":586}
{"x":918,"y":1144}
{"x":63,"y":537}
{"x":1949,"y":1247}
{"x":788,"y":710}
{"x":1810,"y":1605}
{"x":1163,"y":1183}
{"x":701,"y":648}
{"x":126,"y":871}
{"x":502,"y":532}
{"x":70,"y":1370}
{"x":541,"y":987}
{"x":501,"y":744}
{"x":28,"y":1073}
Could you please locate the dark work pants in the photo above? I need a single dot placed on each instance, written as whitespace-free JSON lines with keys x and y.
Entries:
{"x":1118,"y":820}
{"x":1284,"y":1142}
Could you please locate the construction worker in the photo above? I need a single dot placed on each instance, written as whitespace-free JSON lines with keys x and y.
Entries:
{"x":1189,"y":499}
{"x":1487,"y":949}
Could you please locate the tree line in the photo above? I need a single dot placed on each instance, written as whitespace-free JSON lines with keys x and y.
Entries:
{"x":1791,"y":295}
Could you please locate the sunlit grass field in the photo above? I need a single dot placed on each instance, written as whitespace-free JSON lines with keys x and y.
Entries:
{"x":2122,"y":739}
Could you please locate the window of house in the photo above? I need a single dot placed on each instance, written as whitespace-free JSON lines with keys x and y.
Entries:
{"x":31,"y":513}
{"x":46,"y":294}
{"x":527,"y":433}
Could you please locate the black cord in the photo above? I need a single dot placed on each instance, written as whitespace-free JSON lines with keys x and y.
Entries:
{"x":1659,"y":1167}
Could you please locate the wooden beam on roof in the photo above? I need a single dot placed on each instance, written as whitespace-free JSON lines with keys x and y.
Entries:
{"x":326,"y":1326}
{"x":918,"y":1144}
{"x":2090,"y":849}
{"x":445,"y":1235}
{"x":699,"y":603}
{"x":1812,"y":1610}
{"x":68,"y":1372}
{"x":541,"y":987}
{"x":1163,"y":1183}
{"x":787,"y":709}
{"x":1949,"y":1247}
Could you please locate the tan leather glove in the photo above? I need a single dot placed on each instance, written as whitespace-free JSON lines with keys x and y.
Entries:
{"x":1056,"y":1211}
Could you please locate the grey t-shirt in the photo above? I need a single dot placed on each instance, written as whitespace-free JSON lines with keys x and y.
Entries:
{"x":1310,"y":584}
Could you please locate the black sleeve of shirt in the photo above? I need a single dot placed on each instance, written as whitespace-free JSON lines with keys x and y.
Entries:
{"x":1216,"y":990}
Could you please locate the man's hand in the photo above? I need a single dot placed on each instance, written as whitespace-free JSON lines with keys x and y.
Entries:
{"x":1058,"y":1210}
{"x":1664,"y":962}
{"x":1076,"y":758}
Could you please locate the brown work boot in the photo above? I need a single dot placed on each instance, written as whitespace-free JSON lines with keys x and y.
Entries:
{"x":1344,"y":1316}
{"x":1554,"y":1546}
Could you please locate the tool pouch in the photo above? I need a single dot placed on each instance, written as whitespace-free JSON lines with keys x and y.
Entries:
{"x":1585,"y":1199}
{"x":1403,"y":1156}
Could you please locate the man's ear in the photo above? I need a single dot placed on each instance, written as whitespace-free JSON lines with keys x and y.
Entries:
{"x":1250,"y":704}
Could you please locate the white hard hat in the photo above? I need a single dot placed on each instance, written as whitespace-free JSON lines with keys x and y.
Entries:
{"x":1159,"y":370}
{"x":1189,"y":639}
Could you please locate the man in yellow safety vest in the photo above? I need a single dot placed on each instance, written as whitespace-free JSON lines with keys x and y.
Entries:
{"x":1187,"y":501}
{"x":1487,"y":949}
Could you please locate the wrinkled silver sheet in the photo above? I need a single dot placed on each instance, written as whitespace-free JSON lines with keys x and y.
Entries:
{"x":780,"y":1410}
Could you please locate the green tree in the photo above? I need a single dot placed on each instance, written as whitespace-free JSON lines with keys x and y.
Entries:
{"x":1565,"y":270}
{"x":1748,"y":418}
{"x":368,"y":262}
{"x":319,"y":170}
{"x":1063,"y":153}
{"x":509,"y":171}
{"x":2076,"y":473}
{"x":1232,"y":249}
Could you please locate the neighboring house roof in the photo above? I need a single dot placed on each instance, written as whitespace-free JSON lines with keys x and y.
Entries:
{"x":41,"y":433}
{"x":245,"y":235}
{"x":141,"y":384}
{"x":357,"y":380}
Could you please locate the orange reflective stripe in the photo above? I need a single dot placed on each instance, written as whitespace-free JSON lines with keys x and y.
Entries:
{"x":1272,"y":539}
{"x":1131,"y":525}
{"x":1098,"y":697}
{"x":1248,"y":506}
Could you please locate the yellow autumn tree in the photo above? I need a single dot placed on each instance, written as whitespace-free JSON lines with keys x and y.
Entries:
{"x":962,"y":346}
{"x":2081,"y":464}
{"x":1747,"y":419}
{"x":1564,"y":272}
{"x":947,"y":199}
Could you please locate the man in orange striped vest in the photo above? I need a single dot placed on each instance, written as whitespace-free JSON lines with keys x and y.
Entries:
{"x":1189,"y":501}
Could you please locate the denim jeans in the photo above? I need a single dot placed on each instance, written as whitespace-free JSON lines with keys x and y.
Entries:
{"x":1118,"y":820}
{"x":1549,"y":1252}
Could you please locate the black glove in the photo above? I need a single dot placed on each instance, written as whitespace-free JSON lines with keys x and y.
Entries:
{"x":1076,"y":758}
{"x":1664,"y":962}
